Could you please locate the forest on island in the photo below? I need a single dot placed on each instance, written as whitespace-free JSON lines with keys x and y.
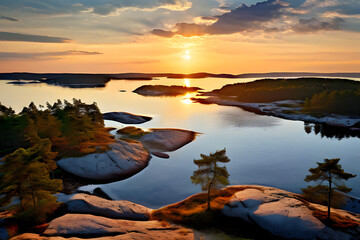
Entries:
{"x":320,"y":95}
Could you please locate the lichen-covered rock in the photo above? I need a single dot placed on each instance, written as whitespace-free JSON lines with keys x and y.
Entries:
{"x":84,"y":203}
{"x":280,"y":213}
{"x":127,"y":118}
{"x":122,"y":160}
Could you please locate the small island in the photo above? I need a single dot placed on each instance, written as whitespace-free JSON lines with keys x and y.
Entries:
{"x":163,"y":90}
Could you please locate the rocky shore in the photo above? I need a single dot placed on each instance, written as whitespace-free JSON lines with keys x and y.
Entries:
{"x":287,"y":109}
{"x":277,"y":213}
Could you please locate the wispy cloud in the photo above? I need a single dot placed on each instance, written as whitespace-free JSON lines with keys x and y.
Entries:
{"x":314,"y":25}
{"x":9,"y":19}
{"x":9,"y":36}
{"x":43,"y":55}
{"x":98,"y":7}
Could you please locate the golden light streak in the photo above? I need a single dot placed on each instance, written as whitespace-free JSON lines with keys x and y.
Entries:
{"x":187,"y":82}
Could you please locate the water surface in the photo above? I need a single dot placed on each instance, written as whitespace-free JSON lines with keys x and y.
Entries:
{"x":263,"y":150}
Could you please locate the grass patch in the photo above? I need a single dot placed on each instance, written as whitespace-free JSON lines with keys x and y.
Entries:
{"x":193,"y":208}
{"x":192,"y":212}
{"x":132,"y":131}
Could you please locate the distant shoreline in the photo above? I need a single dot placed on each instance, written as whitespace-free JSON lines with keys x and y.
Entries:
{"x":88,"y":80}
{"x":149,"y":76}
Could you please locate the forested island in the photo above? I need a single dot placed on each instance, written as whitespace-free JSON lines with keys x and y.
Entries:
{"x":334,"y":102}
{"x":162,"y":90}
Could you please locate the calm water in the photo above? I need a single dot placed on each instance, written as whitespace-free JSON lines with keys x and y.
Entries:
{"x":263,"y":150}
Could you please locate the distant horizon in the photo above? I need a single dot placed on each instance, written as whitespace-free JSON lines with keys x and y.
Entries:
{"x":188,"y":73}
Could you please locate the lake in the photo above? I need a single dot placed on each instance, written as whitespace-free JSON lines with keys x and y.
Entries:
{"x":263,"y":150}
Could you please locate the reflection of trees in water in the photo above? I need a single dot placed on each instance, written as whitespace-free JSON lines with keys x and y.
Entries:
{"x":330,"y":131}
{"x":241,"y":118}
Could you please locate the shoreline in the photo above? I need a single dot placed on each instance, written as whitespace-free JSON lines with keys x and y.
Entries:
{"x":273,"y":109}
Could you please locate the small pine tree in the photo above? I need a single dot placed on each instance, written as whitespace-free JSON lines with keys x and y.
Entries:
{"x":331,"y":171}
{"x":209,"y":174}
{"x":26,"y":174}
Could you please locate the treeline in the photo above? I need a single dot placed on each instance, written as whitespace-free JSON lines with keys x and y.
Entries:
{"x":73,"y":128}
{"x":321,"y":95}
{"x":345,"y":102}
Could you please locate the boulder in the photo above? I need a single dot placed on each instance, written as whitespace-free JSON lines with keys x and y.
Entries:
{"x":84,"y":203}
{"x":94,"y":226}
{"x":280,"y":213}
{"x":166,"y":139}
{"x":127,"y":118}
{"x":124,"y":159}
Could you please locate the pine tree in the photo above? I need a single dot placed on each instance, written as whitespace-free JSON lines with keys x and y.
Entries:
{"x":26,"y":174}
{"x":331,"y":171}
{"x":210,"y":175}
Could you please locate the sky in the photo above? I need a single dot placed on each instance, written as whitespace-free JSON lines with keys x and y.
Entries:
{"x":179,"y":36}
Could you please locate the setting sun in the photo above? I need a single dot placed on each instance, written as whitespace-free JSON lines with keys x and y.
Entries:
{"x":187,"y":55}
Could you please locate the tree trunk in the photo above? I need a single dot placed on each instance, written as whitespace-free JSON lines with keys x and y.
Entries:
{"x":329,"y":198}
{"x":209,"y":188}
{"x":208,"y":198}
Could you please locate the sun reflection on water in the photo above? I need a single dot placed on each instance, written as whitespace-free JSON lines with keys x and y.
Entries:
{"x":186,"y":99}
{"x":187,"y":82}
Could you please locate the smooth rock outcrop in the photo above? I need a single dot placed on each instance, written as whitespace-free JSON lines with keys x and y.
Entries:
{"x":123,"y":160}
{"x":166,"y":139}
{"x":173,"y":234}
{"x":95,"y":226}
{"x":280,"y":213}
{"x":127,"y":118}
{"x":84,"y":203}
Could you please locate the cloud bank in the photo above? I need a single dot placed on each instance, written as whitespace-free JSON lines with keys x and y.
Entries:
{"x":43,"y":55}
{"x":297,"y":16}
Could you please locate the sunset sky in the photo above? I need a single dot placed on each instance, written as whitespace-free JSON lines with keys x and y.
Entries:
{"x":181,"y":36}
